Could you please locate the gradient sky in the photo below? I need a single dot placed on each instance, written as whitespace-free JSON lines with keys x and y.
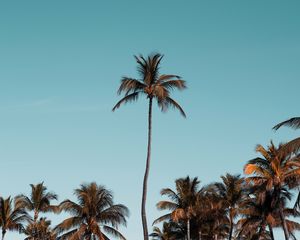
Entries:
{"x":61,"y":64}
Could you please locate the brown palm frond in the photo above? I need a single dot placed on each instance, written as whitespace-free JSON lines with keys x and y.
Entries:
{"x":129,"y":98}
{"x":170,"y":193}
{"x":115,"y":233}
{"x":163,"y":205}
{"x":162,"y":218}
{"x":291,"y":147}
{"x":169,"y":102}
{"x":68,"y":223}
{"x":130,"y":85}
{"x":172,"y":84}
{"x":292,"y":122}
{"x":167,"y":77}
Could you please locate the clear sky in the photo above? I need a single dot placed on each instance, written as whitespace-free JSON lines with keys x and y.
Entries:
{"x":61,"y":64}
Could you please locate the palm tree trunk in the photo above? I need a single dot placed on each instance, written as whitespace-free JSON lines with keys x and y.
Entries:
{"x":36,"y":215}
{"x":271,"y":232}
{"x":144,"y":198}
{"x":188,"y":229}
{"x":3,"y":234}
{"x":261,"y":230}
{"x":283,"y":222}
{"x":231,"y":227}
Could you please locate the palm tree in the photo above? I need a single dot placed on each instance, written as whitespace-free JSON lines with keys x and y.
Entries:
{"x":93,"y":215}
{"x":210,"y":215}
{"x":39,"y":230}
{"x":153,"y":86}
{"x":231,"y":192}
{"x":39,"y":200}
{"x":170,"y":231}
{"x":12,"y":215}
{"x":182,"y":202}
{"x":258,"y":213}
{"x":275,"y":173}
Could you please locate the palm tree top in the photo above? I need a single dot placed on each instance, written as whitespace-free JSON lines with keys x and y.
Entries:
{"x":151,"y":84}
{"x":94,"y":213}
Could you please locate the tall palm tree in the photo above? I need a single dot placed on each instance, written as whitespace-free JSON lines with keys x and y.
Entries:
{"x":155,"y":87}
{"x":231,"y":192}
{"x":181,"y":203}
{"x":94,"y":214}
{"x":275,"y":173}
{"x":39,"y":200}
{"x":12,"y":215}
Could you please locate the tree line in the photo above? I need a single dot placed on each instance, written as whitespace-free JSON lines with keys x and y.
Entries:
{"x":245,"y":208}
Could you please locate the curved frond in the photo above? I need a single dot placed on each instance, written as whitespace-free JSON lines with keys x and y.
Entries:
{"x":292,"y":122}
{"x":167,"y":102}
{"x":129,"y":98}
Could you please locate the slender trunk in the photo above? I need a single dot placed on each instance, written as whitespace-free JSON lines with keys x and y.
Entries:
{"x":36,"y":215}
{"x":216,"y":236}
{"x":199,"y":235}
{"x":231,"y":227}
{"x":3,"y":234}
{"x":283,"y":222}
{"x":143,"y":211}
{"x":261,"y":230}
{"x":188,"y":229}
{"x":271,"y":232}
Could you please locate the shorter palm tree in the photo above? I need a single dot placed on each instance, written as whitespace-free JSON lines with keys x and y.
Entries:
{"x":39,"y":200}
{"x":93,"y":216}
{"x":231,"y":193}
{"x":12,"y":215}
{"x":182,"y":202}
{"x":170,"y":231}
{"x":275,"y":174}
{"x":39,"y":230}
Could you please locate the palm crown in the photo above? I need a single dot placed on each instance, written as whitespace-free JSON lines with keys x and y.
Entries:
{"x":151,"y":84}
{"x":12,"y":215}
{"x":93,"y":213}
{"x":39,"y":200}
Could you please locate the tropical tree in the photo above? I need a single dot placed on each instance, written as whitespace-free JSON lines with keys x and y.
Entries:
{"x":275,"y":173}
{"x":231,"y":192}
{"x":93,"y":216}
{"x":12,"y":215}
{"x":182,"y":202}
{"x":170,"y":231}
{"x":155,"y":87}
{"x":258,"y":213}
{"x":39,"y":230}
{"x":39,"y":200}
{"x":210,"y":215}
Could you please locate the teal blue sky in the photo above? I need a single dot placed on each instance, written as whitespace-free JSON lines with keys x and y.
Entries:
{"x":60,"y":67}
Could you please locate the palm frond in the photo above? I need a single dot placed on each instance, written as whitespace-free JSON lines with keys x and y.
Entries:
{"x":292,"y":122}
{"x":115,"y":233}
{"x":129,"y":98}
{"x":130,"y":85}
{"x":167,"y":102}
{"x":172,"y":84}
{"x":162,"y":218}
